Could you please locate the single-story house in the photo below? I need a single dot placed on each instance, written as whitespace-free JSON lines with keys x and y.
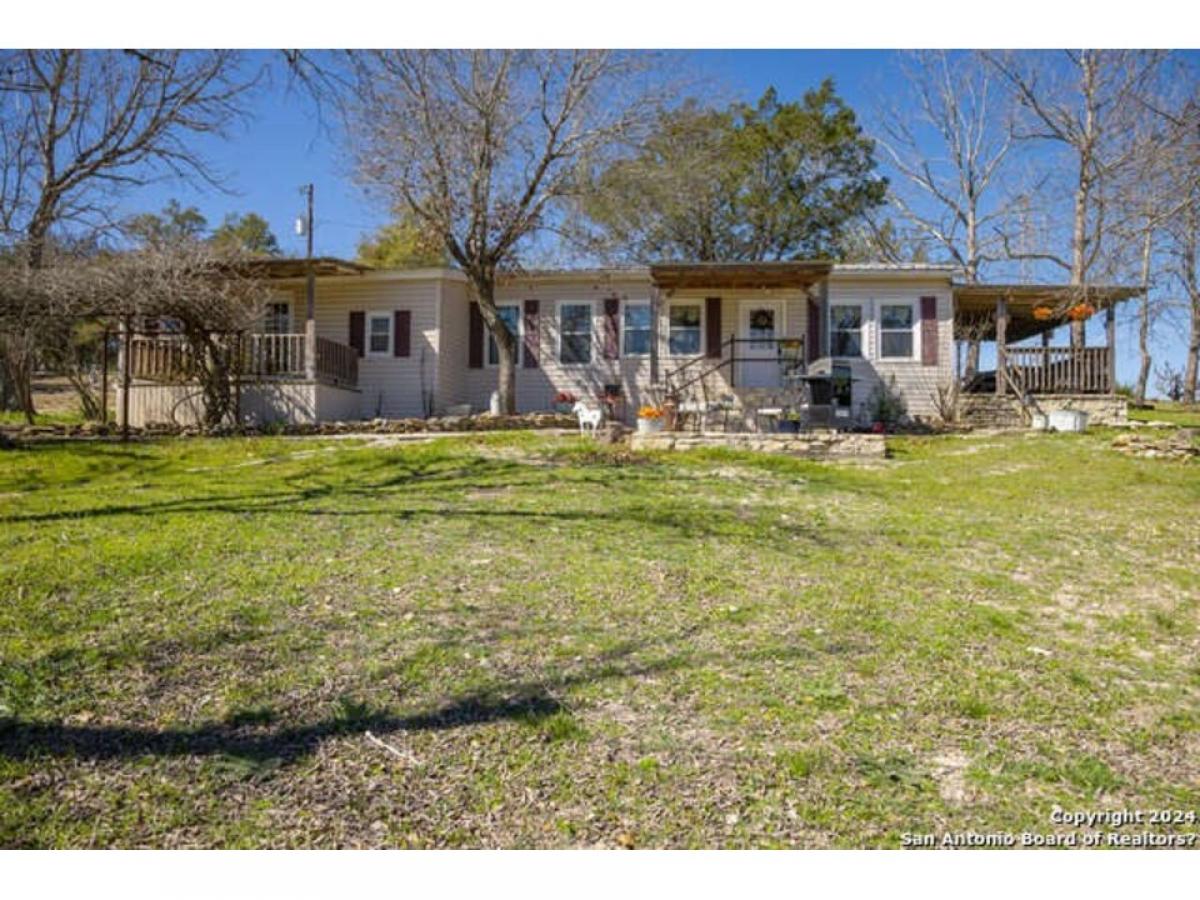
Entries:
{"x":412,"y":343}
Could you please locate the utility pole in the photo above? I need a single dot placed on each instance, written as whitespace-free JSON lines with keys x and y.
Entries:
{"x":310,"y":294}
{"x":310,"y":286}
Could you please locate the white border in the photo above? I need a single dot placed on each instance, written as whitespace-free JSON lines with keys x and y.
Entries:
{"x":625,"y":304}
{"x":391,"y":320}
{"x":558,"y":360}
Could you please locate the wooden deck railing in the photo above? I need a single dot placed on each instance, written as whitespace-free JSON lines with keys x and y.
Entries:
{"x":1061,"y":370}
{"x":167,"y":357}
{"x":337,"y":363}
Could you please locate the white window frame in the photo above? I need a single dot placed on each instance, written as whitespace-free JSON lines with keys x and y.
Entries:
{"x":650,"y":315}
{"x":862,"y":328}
{"x":914,"y":329}
{"x":520,"y":336}
{"x":591,"y":305}
{"x":700,"y":347}
{"x":391,"y":328}
{"x":278,"y":301}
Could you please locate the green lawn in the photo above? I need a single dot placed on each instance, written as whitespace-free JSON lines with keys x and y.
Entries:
{"x":1176,"y":413}
{"x":569,"y":646}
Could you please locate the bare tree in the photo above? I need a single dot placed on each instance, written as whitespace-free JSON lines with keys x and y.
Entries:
{"x":204,"y":294}
{"x":948,"y":194}
{"x":1183,"y":254}
{"x":1086,"y":102}
{"x":482,"y":147}
{"x":77,"y":127}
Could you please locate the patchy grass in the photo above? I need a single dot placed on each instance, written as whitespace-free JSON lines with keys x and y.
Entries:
{"x":516,"y":641}
{"x":1184,"y":415}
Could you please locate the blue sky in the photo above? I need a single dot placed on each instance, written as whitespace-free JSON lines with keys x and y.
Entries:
{"x":282,"y":147}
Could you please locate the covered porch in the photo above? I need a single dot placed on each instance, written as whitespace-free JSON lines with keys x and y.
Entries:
{"x":1011,"y":315}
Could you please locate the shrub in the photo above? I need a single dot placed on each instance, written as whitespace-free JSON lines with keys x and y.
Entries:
{"x":886,"y":405}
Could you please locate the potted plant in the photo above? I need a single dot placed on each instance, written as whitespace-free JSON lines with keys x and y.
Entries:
{"x":788,"y":423}
{"x":650,"y":420}
{"x":564,"y":402}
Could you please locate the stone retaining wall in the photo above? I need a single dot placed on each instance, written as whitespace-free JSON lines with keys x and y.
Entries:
{"x":809,"y":445}
{"x":1102,"y":409}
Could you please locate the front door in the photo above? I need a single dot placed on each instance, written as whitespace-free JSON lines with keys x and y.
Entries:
{"x":758,"y":349}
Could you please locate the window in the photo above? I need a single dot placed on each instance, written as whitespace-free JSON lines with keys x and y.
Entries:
{"x":845,"y":330}
{"x":379,"y":333}
{"x":575,"y":333}
{"x":277,"y":318}
{"x":684,"y":336}
{"x":896,"y":330}
{"x":636,"y":329}
{"x":511,"y":317}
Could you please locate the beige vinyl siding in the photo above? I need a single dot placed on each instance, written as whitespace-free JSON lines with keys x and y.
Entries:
{"x":917,"y":383}
{"x":536,"y":387}
{"x":452,"y":347}
{"x":389,"y":386}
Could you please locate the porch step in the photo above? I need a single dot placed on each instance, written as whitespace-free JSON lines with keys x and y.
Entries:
{"x":990,"y":411}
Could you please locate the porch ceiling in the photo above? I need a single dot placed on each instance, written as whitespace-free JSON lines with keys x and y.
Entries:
{"x":675,"y":276}
{"x":975,"y":303}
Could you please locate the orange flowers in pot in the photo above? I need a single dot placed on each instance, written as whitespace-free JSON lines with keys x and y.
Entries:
{"x":1081,"y":311}
{"x":1043,"y":313}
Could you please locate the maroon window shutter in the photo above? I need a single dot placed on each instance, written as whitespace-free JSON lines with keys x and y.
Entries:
{"x":712,"y":327}
{"x":402,"y":339}
{"x":813,"y":339}
{"x":929,"y":331}
{"x":475,"y":338}
{"x":533,"y":340}
{"x":612,"y":328}
{"x":358,"y":328}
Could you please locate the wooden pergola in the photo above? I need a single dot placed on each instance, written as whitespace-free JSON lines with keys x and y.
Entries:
{"x":1008,"y":313}
{"x":717,"y":276}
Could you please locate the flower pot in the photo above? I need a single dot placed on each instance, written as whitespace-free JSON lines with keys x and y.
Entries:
{"x":650,"y":426}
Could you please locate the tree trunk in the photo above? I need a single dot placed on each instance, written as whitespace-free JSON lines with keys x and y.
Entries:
{"x":972,"y":364}
{"x":1193,"y":354}
{"x":1139,"y":391}
{"x":506,"y":343}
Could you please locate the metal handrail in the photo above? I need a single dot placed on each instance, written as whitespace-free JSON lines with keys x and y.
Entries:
{"x":731,"y":360}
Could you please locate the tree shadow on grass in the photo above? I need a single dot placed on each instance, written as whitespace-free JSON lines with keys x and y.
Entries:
{"x":528,"y":701}
{"x":416,"y":482}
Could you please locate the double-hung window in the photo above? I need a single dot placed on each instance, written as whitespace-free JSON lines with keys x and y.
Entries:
{"x":277,"y":318}
{"x":510,"y":315}
{"x":684,"y":336}
{"x":575,"y":333}
{"x":636,"y":331}
{"x":845,"y":329}
{"x":379,"y":334}
{"x":896,"y":331}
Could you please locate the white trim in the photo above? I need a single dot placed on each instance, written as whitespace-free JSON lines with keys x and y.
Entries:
{"x":279,"y":300}
{"x":701,"y":302}
{"x":391,"y":320}
{"x":593,"y":355}
{"x":625,"y":304}
{"x":742,"y":330}
{"x":863,"y":315}
{"x":520,"y":336}
{"x":912,"y":303}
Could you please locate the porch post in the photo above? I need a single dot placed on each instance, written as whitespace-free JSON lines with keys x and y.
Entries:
{"x":655,"y":307}
{"x":310,"y":349}
{"x":1110,"y":338}
{"x":1046,"y":361}
{"x":1001,"y":351}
